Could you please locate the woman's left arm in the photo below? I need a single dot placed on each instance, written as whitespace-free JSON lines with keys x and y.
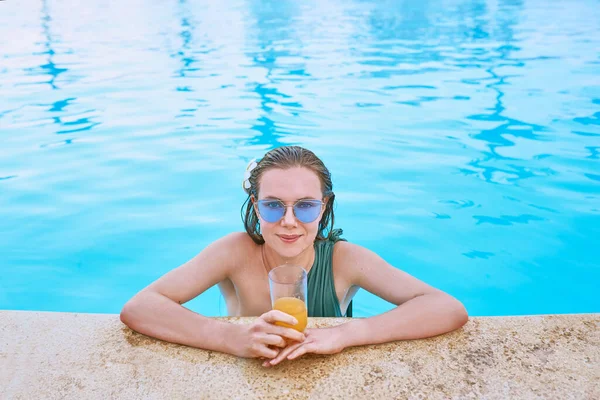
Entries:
{"x":421,"y":310}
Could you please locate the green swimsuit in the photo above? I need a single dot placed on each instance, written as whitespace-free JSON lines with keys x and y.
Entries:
{"x":322,"y":298}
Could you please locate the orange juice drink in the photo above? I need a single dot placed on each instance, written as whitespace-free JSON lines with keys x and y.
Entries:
{"x":294,"y":307}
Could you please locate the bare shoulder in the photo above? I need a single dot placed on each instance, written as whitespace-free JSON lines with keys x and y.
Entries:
{"x":236,"y":239}
{"x":233,"y":247}
{"x":214,"y":264}
{"x":351,"y":253}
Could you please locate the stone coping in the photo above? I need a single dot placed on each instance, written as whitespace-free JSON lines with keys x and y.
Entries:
{"x":45,"y":355}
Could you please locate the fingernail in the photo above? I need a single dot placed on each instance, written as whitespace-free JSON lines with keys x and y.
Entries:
{"x":294,"y":322}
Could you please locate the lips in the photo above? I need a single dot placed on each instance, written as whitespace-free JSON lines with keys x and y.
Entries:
{"x":289,"y":238}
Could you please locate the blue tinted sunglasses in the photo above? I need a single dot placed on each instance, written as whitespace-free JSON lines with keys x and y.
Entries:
{"x":306,"y":211}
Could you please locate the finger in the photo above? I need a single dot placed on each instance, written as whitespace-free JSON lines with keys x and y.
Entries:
{"x":286,"y":332}
{"x":274,"y":340}
{"x":284,"y":353}
{"x":266,"y":352}
{"x":300,"y":352}
{"x":279,"y":316}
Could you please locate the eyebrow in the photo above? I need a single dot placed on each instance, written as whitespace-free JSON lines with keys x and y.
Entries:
{"x":277,"y":198}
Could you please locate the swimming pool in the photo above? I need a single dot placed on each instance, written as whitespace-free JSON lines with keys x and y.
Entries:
{"x":463,"y":139}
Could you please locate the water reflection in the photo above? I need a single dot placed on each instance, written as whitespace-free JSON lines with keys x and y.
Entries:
{"x":79,"y":125}
{"x":507,"y":219}
{"x":501,"y":56}
{"x":594,"y":153}
{"x":272,"y":27}
{"x":74,"y":123}
{"x":60,"y":105}
{"x":50,"y":67}
{"x":413,"y":38}
{"x":186,"y":58}
{"x":478,"y":254}
{"x":593,"y":119}
{"x":399,"y":20}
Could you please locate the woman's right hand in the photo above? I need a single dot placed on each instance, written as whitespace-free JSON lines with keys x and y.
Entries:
{"x":263,"y":338}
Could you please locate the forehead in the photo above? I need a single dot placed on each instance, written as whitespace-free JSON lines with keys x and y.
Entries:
{"x":290,"y":184}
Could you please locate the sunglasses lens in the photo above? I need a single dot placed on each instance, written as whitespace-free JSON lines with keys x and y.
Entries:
{"x":271,"y":211}
{"x":307,"y":211}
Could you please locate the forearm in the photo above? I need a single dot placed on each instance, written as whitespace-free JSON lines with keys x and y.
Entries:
{"x":157,"y":316}
{"x":423,"y":316}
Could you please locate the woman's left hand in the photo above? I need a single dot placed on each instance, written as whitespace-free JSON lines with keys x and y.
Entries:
{"x":318,"y":341}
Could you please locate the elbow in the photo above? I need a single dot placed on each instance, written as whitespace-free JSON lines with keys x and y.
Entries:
{"x":455,"y":312}
{"x":127,"y":312}
{"x":461,"y":317}
{"x":130,"y":312}
{"x":140,"y":310}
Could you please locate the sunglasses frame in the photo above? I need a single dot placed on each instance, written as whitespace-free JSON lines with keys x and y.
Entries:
{"x":285,"y":206}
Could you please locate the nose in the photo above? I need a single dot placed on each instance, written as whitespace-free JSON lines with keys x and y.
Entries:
{"x":289,"y":219}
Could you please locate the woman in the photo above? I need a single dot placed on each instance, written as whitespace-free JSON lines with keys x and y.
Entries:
{"x":289,"y":219}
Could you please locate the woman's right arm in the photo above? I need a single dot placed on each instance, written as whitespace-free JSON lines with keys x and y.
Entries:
{"x":157,"y":310}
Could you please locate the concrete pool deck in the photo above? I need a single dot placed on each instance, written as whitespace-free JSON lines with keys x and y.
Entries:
{"x":63,"y":355}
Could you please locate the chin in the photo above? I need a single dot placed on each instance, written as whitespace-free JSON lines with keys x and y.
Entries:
{"x":289,"y":251}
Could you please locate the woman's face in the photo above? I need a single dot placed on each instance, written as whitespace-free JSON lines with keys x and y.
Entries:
{"x":289,"y":236}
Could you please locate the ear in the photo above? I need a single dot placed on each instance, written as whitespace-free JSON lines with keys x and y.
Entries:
{"x":254,"y":204}
{"x":325,"y":202}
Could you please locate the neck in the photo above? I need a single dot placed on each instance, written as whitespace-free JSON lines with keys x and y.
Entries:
{"x":272,"y":259}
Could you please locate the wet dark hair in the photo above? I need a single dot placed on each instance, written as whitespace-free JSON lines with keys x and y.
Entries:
{"x":287,"y":157}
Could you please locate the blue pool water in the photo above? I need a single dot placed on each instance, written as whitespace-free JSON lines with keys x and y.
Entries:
{"x":463,"y":138}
